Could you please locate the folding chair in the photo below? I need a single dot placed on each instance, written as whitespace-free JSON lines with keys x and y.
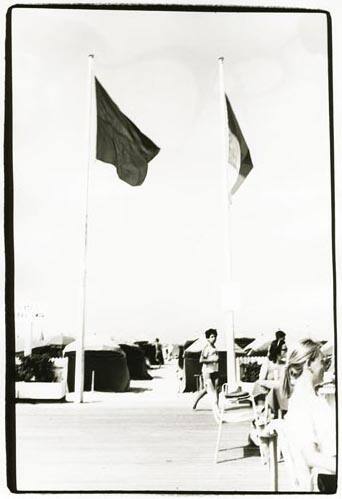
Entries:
{"x":260,"y":421}
{"x":238,"y":409}
{"x":271,"y":409}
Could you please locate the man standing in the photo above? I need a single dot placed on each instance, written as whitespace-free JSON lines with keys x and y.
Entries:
{"x":210,"y":369}
{"x":159,"y":359}
{"x":279,"y":335}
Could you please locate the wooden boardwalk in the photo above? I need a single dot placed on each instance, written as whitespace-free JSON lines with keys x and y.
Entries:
{"x":136,"y":441}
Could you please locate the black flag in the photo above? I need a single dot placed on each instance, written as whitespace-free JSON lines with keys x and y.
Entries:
{"x":120,"y":142}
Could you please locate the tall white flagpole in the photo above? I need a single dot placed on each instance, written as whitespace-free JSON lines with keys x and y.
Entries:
{"x":227,"y":305}
{"x":79,"y":354}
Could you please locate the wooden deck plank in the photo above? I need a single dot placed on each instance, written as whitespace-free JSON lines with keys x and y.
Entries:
{"x":115,"y":445}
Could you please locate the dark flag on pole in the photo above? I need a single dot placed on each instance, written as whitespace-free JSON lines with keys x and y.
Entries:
{"x":239,"y":155}
{"x":120,"y":142}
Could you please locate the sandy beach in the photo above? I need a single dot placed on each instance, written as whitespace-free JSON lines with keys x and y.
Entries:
{"x":147,"y":439}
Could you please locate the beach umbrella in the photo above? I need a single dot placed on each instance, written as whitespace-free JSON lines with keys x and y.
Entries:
{"x":243,"y":341}
{"x":238,"y":349}
{"x":260,"y":344}
{"x":263,"y":341}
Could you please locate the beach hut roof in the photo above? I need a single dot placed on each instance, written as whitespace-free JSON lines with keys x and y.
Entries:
{"x":94,"y":344}
{"x":199,"y":344}
{"x":59,"y":339}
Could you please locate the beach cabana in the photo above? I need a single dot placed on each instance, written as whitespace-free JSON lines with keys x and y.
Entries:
{"x":106,"y":360}
{"x":182,"y":349}
{"x":135,"y":361}
{"x":148,"y":350}
{"x":191,"y":368}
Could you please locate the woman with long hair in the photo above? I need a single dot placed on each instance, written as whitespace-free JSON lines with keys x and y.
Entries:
{"x":268,"y":397}
{"x":273,"y":368}
{"x":271,"y":377}
{"x":309,"y":423}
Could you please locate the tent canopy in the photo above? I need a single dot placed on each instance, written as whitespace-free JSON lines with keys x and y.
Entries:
{"x":59,"y":339}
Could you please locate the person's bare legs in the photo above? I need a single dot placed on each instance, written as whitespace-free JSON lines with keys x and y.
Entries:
{"x":212,"y":392}
{"x":199,"y":396}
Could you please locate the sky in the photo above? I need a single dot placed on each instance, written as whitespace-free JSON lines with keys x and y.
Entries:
{"x":156,"y":254}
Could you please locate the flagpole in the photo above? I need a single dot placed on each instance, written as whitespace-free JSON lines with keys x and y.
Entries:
{"x":79,"y":353}
{"x":227,"y":312}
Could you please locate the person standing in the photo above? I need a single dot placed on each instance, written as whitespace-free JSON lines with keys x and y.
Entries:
{"x":272,"y":351}
{"x":210,"y":370}
{"x":159,"y":359}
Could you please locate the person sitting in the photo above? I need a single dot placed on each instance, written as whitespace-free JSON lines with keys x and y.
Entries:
{"x":267,"y":392}
{"x":159,"y":358}
{"x":309,"y":423}
{"x":270,"y":378}
{"x":272,"y":351}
